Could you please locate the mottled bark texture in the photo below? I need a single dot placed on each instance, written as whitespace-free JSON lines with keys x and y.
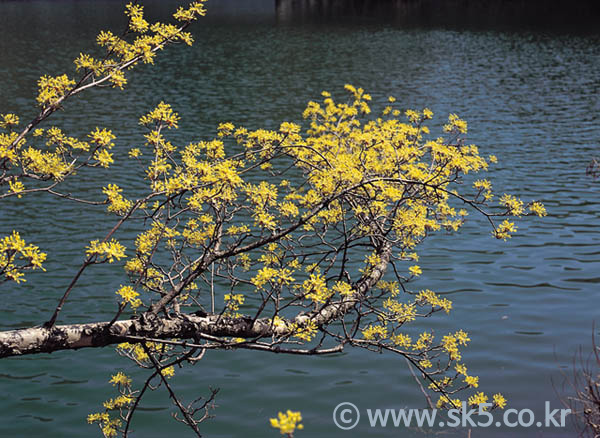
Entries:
{"x":181,"y":326}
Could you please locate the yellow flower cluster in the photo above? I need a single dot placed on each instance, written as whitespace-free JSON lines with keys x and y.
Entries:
{"x":16,"y":256}
{"x":16,"y":186}
{"x":451,"y":342}
{"x":401,"y":340}
{"x":499,"y":400}
{"x":306,"y":331}
{"x":398,"y":311}
{"x":147,"y":241}
{"x":233,"y":303}
{"x":415,"y":270}
{"x":455,"y":125}
{"x":108,"y":251}
{"x":373,"y":332}
{"x":477,"y":399}
{"x":136,"y":351}
{"x":59,"y":158}
{"x":287,"y":423}
{"x":429,"y":297}
{"x":343,"y":288}
{"x":512,"y":204}
{"x":45,"y":164}
{"x":149,"y":38}
{"x":117,"y":403}
{"x":116,"y":202}
{"x":110,"y":426}
{"x":56,"y":137}
{"x":197,"y":233}
{"x":423,"y":342}
{"x":272,"y":276}
{"x":8,"y":121}
{"x":472,"y":381}
{"x":192,"y":12}
{"x":315,"y":288}
{"x":538,"y":209}
{"x":504,"y":230}
{"x":51,"y":90}
{"x":129,"y":296}
{"x":445,"y":401}
{"x":168,"y":372}
{"x":485,"y":187}
{"x":137,"y":23}
{"x":163,"y":114}
{"x":120,"y":379}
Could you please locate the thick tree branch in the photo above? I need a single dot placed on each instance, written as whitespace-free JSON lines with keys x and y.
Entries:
{"x":183,"y":326}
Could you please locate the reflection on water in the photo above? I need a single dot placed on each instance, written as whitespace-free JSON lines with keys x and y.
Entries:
{"x":531,"y":98}
{"x":453,"y":13}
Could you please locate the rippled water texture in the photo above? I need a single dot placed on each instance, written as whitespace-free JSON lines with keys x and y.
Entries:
{"x":531,"y":98}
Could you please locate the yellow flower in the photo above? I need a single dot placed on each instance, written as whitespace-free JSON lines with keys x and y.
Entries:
{"x":472,"y":381}
{"x":129,"y":296}
{"x":287,"y":423}
{"x":263,"y":276}
{"x":477,"y":399}
{"x":424,"y":341}
{"x":315,"y":288}
{"x":119,"y":402}
{"x":504,"y":230}
{"x":13,"y":248}
{"x":415,"y":270}
{"x":233,"y":303}
{"x":120,"y":379}
{"x":412,"y":116}
{"x":8,"y":120}
{"x":98,"y":417}
{"x":401,"y":340}
{"x":117,"y":203}
{"x":538,"y":208}
{"x":16,"y":186}
{"x":343,"y":288}
{"x":305,"y":332}
{"x":499,"y":400}
{"x":430,"y":297}
{"x":461,"y":369}
{"x":110,"y":250}
{"x":168,"y":372}
{"x":102,"y":137}
{"x":163,"y":114}
{"x":104,"y":158}
{"x":455,"y":125}
{"x":513,"y":204}
{"x":52,"y":89}
{"x":375,"y":332}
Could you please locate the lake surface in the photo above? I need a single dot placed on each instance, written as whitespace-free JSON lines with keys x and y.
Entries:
{"x":531,"y":97}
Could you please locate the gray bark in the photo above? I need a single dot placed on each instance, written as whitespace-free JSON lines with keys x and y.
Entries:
{"x":182,"y":326}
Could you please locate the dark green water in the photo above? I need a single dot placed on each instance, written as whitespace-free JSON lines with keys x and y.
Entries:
{"x":531,"y":97}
